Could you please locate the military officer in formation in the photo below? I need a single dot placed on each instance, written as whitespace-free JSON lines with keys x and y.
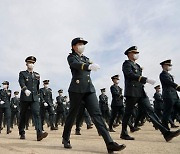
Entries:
{"x":29,"y":82}
{"x":82,"y":90}
{"x":46,"y":105}
{"x":15,"y":108}
{"x":117,"y":107}
{"x":103,"y":104}
{"x":158,"y":102}
{"x":61,"y":108}
{"x":169,"y":93}
{"x":134,"y":93}
{"x":5,"y":96}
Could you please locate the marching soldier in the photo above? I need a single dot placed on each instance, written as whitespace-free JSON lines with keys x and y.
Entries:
{"x":46,"y":104}
{"x":29,"y":82}
{"x":103,"y":104}
{"x":134,"y":93}
{"x":15,"y":108}
{"x":82,"y":90}
{"x":5,"y":96}
{"x":61,"y":108}
{"x":117,"y":107}
{"x":158,"y":102}
{"x":169,"y":92}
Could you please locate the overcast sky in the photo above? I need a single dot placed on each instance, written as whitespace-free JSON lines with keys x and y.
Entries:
{"x":45,"y":28}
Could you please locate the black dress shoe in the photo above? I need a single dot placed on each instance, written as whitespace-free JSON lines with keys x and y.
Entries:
{"x":89,"y":127}
{"x":174,"y":126}
{"x":54,"y":128}
{"x":112,"y":130}
{"x":22,"y":136}
{"x":77,"y":132}
{"x":115,"y":125}
{"x":127,"y":137}
{"x":134,"y":129}
{"x":67,"y":144}
{"x":113,"y":146}
{"x":171,"y":134}
{"x":41,"y":136}
{"x":9,"y":131}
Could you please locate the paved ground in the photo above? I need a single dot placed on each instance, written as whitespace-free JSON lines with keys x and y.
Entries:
{"x":148,"y":141}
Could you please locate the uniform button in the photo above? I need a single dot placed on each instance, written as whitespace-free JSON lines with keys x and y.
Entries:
{"x":87,"y":75}
{"x":88,"y":81}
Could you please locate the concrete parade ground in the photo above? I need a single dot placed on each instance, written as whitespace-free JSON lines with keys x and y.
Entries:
{"x":147,"y":141}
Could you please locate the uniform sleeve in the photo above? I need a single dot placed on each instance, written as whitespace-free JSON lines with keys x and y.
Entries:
{"x":41,"y":96}
{"x":74,"y":63}
{"x":114,"y":91}
{"x":165,"y":78}
{"x":127,"y":70}
{"x":22,"y":82}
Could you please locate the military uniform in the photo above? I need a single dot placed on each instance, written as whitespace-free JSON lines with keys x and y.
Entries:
{"x":134,"y":93}
{"x":46,"y":97}
{"x":103,"y":104}
{"x":5,"y":96}
{"x":158,"y":103}
{"x":30,"y":81}
{"x":81,"y":89}
{"x":15,"y":108}
{"x":169,"y":94}
{"x":61,"y":109}
{"x":117,"y":107}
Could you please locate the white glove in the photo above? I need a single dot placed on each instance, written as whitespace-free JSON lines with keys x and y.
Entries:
{"x":15,"y":106}
{"x":94,"y":67}
{"x":150,"y":81}
{"x":45,"y":104}
{"x":2,"y":102}
{"x":27,"y":92}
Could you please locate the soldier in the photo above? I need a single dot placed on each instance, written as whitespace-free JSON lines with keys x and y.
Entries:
{"x":117,"y":107}
{"x":169,"y":92}
{"x":46,"y":104}
{"x":134,"y":93}
{"x":158,"y":102}
{"x":15,"y":108}
{"x":82,"y":90}
{"x":5,"y":96}
{"x":61,"y":108}
{"x":29,"y":82}
{"x":103,"y":104}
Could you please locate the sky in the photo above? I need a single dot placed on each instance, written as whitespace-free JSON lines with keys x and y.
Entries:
{"x":45,"y":28}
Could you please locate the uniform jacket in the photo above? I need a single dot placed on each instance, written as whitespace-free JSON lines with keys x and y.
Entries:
{"x":46,"y":96}
{"x":60,"y":105}
{"x":117,"y":97}
{"x":168,"y":85}
{"x":81,"y":81}
{"x":103,"y":102}
{"x":5,"y":95}
{"x":31,"y":82}
{"x":15,"y":102}
{"x":158,"y":101}
{"x":134,"y":81}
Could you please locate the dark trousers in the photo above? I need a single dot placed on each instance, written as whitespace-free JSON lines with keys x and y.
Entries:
{"x":91,"y":103}
{"x":35,"y":109}
{"x":7,"y":116}
{"x":115,"y":111}
{"x":169,"y":105}
{"x":13,"y":114}
{"x":51,"y":113}
{"x":82,"y":115}
{"x":60,"y":115}
{"x":145,"y":104}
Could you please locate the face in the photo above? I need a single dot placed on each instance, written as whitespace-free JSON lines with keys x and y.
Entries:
{"x":167,"y":67}
{"x":30,"y":65}
{"x":116,"y":81}
{"x":5,"y":86}
{"x":158,"y":90}
{"x":46,"y":85}
{"x":79,"y":48}
{"x":133,"y":56}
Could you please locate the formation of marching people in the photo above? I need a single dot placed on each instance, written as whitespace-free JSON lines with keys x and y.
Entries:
{"x":131,"y":108}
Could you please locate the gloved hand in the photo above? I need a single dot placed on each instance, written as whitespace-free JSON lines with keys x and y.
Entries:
{"x":2,"y":102}
{"x":27,"y":92}
{"x":15,"y":106}
{"x":150,"y":81}
{"x":45,"y":104}
{"x":94,"y":67}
